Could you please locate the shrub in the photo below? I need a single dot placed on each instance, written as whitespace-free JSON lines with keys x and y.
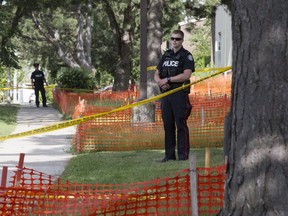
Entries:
{"x":76,"y":78}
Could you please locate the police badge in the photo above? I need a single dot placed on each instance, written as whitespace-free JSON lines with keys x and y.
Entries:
{"x":190,"y":58}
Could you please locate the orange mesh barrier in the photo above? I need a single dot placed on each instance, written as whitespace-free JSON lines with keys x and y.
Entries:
{"x":41,"y":194}
{"x":117,"y":132}
{"x":217,"y":84}
{"x":67,"y":101}
{"x":210,"y":189}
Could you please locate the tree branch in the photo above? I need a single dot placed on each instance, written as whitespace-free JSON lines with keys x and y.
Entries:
{"x":54,"y":38}
{"x":113,"y":23}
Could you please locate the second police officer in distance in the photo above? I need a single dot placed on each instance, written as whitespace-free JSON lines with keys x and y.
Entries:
{"x":174,"y":70}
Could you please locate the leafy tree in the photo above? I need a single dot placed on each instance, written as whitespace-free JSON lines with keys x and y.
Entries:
{"x":10,"y":16}
{"x":201,"y":40}
{"x":204,"y":9}
{"x":257,"y":129}
{"x":201,"y":9}
{"x":57,"y":29}
{"x":66,"y":34}
{"x":123,"y":27}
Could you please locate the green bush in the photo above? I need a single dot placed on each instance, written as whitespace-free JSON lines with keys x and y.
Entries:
{"x":49,"y":96}
{"x":76,"y":78}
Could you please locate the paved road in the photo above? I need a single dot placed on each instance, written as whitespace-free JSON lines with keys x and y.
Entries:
{"x":47,"y":152}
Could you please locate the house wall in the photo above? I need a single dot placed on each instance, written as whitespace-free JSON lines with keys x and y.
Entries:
{"x":223,"y":38}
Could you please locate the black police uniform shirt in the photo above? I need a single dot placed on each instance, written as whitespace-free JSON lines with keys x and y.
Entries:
{"x":38,"y":77}
{"x":172,"y":64}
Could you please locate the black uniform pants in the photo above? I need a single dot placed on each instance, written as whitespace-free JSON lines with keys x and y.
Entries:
{"x":43,"y":94}
{"x":176,"y":109}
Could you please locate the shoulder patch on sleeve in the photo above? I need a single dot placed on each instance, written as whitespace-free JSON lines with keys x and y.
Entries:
{"x":190,"y":57}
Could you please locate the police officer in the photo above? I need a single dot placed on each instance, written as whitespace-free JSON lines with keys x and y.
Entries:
{"x":173,"y":71}
{"x":37,"y":82}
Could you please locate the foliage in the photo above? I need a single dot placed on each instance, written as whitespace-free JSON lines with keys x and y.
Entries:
{"x":76,"y":78}
{"x":8,"y":27}
{"x":104,"y":48}
{"x":201,"y":9}
{"x":62,"y":22}
{"x":61,"y":17}
{"x":228,"y":3}
{"x":173,"y":13}
{"x":49,"y":96}
{"x":2,"y":74}
{"x":201,"y":38}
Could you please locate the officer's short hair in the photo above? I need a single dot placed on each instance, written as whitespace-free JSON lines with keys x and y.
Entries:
{"x":36,"y":64}
{"x":178,"y":31}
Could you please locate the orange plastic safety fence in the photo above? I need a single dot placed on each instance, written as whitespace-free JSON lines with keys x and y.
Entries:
{"x":117,"y":132}
{"x":217,"y":84}
{"x":41,"y":194}
{"x":67,"y":101}
{"x":210,"y":189}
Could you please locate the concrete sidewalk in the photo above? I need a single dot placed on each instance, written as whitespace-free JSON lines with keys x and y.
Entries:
{"x":47,"y":152}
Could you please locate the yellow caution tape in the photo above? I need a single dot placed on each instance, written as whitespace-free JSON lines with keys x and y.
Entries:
{"x":151,"y":68}
{"x":213,"y":69}
{"x":46,"y":87}
{"x":73,"y":122}
{"x":12,"y":88}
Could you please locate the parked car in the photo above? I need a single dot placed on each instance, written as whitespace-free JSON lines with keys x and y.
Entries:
{"x":106,"y":88}
{"x":32,"y":97}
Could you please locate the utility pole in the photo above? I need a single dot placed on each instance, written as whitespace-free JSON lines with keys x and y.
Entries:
{"x":143,"y":50}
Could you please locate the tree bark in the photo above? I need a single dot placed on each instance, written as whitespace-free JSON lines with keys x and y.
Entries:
{"x":154,"y":41}
{"x":84,"y":53}
{"x":124,"y":40}
{"x":257,"y":174}
{"x":146,"y":113}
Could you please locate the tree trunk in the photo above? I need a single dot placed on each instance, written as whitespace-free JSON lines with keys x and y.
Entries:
{"x":124,"y":67}
{"x":154,"y":41}
{"x":124,"y":40}
{"x":146,"y":112}
{"x":84,"y":52}
{"x":257,"y":174}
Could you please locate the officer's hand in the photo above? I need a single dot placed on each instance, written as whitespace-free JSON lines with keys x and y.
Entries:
{"x":165,"y":87}
{"x":163,"y":84}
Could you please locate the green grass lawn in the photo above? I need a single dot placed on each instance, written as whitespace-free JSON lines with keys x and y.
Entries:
{"x":130,"y":166}
{"x":7,"y":119}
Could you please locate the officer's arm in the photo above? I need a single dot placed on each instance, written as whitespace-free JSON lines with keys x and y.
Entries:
{"x":157,"y":76}
{"x":45,"y":81}
{"x":32,"y":82}
{"x":182,"y":77}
